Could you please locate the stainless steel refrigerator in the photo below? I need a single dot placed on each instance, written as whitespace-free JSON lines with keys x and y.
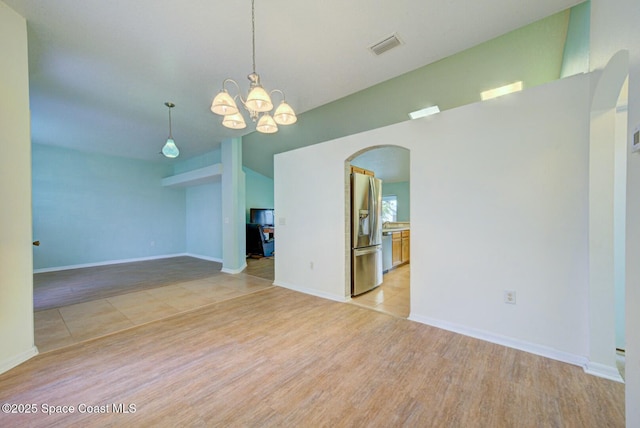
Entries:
{"x":366,"y":233}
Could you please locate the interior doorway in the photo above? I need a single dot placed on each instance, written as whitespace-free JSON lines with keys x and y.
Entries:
{"x":619,"y":223}
{"x":391,"y":164}
{"x":607,"y":219}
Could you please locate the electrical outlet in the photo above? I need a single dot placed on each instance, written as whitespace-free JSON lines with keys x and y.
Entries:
{"x":510,"y":297}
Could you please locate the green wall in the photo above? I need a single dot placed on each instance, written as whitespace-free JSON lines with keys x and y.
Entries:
{"x":533,"y":54}
{"x":259,"y":191}
{"x":91,"y":208}
{"x":210,"y":158}
{"x":576,"y":49}
{"x":203,"y":209}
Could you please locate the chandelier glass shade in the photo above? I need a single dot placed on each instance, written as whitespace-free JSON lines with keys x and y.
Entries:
{"x":284,"y":114}
{"x":223,"y":104}
{"x":258,"y":102}
{"x":266,"y":124}
{"x":170,"y":149}
{"x":234,"y":121}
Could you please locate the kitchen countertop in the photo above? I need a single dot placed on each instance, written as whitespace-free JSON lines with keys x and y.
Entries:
{"x":390,"y":227}
{"x":394,"y":229}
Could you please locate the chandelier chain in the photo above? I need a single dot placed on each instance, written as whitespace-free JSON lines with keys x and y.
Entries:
{"x":253,"y":33}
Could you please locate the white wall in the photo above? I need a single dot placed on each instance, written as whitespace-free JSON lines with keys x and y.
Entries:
{"x":309,"y":195}
{"x":501,"y":191}
{"x":16,"y":263}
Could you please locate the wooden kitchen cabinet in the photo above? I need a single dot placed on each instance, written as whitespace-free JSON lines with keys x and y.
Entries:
{"x":362,"y":171}
{"x":396,"y":248}
{"x":400,"y":247}
{"x":406,"y":246}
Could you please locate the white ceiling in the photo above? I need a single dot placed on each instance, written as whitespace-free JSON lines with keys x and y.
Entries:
{"x":100,"y":71}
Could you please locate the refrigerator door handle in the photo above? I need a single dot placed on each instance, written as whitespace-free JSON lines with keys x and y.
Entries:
{"x":373,"y":202}
{"x":374,"y":237}
{"x":366,"y":250}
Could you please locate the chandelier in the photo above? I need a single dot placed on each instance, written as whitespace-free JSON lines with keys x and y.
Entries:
{"x":257,"y":103}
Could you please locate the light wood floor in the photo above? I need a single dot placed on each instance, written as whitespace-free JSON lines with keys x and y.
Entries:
{"x":261,"y":267}
{"x":137,"y":293}
{"x":280,"y":358}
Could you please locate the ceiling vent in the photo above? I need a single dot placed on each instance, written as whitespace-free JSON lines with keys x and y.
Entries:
{"x":384,"y":45}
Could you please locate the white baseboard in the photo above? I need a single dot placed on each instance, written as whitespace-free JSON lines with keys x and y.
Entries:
{"x":16,"y":360}
{"x":207,"y":258}
{"x":509,"y":342}
{"x":115,"y":262}
{"x":313,"y":292}
{"x":604,"y":371}
{"x":234,"y":271}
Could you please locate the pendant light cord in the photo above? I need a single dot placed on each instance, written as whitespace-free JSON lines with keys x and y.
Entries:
{"x":170,"y":135}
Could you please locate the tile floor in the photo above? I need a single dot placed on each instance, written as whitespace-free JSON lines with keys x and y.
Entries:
{"x":66,"y":325}
{"x":392,"y":296}
{"x":59,"y":327}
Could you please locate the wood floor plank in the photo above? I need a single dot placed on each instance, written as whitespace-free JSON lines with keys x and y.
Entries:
{"x":280,"y":358}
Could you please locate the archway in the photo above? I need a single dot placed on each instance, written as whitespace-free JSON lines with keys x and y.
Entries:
{"x":607,"y":193}
{"x":390,"y":163}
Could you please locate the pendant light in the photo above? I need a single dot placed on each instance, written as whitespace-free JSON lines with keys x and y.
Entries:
{"x":258,"y":102}
{"x":170,"y":149}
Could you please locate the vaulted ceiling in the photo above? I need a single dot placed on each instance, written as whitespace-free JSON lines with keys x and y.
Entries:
{"x":101,"y":71}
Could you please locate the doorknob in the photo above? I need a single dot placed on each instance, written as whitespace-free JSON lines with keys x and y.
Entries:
{"x":36,"y":243}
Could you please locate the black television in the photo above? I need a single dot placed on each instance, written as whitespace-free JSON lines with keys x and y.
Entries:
{"x":261,"y":216}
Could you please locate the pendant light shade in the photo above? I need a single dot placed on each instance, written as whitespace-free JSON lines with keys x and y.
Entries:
{"x":223,"y":104}
{"x":284,"y":114}
{"x":266,"y":124}
{"x":234,"y":121}
{"x":258,"y":100}
{"x":170,"y":149}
